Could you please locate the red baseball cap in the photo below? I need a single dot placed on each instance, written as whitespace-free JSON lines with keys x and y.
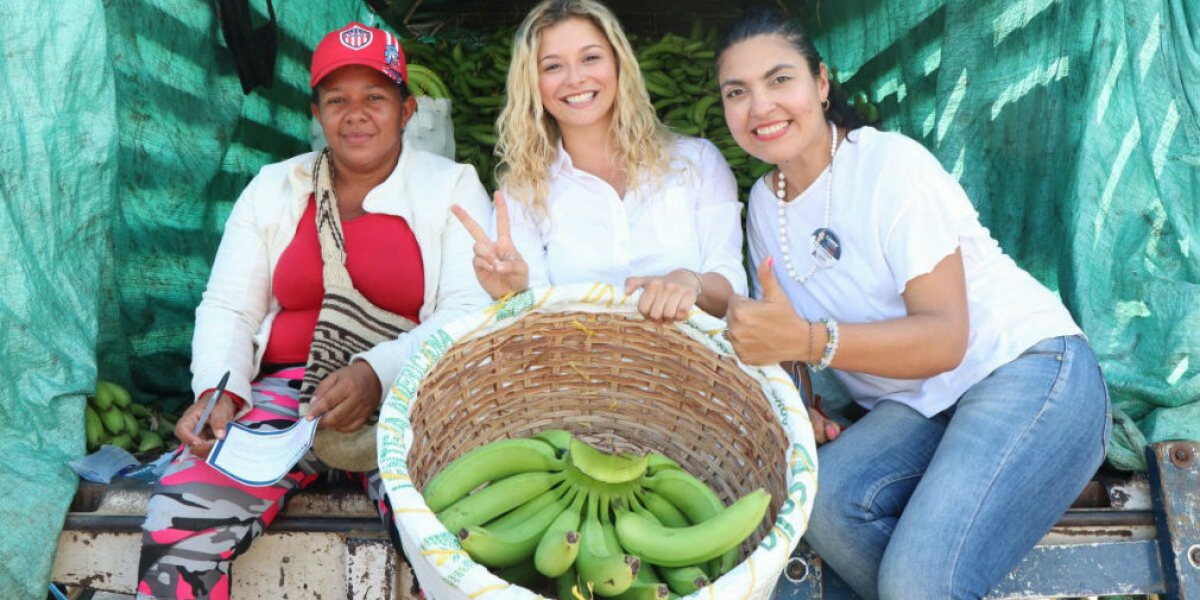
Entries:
{"x":357,"y":44}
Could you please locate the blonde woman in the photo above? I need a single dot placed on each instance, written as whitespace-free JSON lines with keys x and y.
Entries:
{"x":594,"y":187}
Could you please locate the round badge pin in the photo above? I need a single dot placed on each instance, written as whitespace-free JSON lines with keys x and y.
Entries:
{"x":826,"y":247}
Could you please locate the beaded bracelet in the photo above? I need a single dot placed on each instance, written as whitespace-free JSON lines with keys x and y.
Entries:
{"x":809,"y":357}
{"x":831,"y":346}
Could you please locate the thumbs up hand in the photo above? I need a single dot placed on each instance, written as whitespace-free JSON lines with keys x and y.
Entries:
{"x":766,"y":331}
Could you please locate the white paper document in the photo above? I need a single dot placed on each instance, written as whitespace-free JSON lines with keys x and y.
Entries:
{"x":261,"y":458}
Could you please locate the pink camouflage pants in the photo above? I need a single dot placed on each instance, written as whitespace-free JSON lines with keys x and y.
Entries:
{"x":199,"y":520}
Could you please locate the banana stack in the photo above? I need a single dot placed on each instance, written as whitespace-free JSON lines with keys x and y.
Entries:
{"x":679,"y":75}
{"x":553,"y":511}
{"x":112,"y":417}
{"x":473,"y":72}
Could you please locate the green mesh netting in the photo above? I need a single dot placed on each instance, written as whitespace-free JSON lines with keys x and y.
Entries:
{"x":1073,"y":124}
{"x":125,"y":140}
{"x":57,"y":179}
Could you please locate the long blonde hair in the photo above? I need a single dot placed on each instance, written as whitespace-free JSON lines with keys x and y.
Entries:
{"x":528,"y":135}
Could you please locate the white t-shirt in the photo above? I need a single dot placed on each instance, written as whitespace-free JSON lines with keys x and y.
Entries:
{"x":689,"y":218}
{"x":897,"y":214}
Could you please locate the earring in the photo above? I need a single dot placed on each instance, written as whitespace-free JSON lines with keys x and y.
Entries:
{"x":825,"y":104}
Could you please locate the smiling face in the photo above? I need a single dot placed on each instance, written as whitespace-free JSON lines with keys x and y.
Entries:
{"x":773,"y":100}
{"x":577,"y":75}
{"x":363,"y":117}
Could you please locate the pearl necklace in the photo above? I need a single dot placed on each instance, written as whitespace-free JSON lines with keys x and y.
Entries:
{"x":781,"y":193}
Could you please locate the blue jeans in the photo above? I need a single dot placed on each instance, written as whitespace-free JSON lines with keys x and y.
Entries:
{"x":910,"y":507}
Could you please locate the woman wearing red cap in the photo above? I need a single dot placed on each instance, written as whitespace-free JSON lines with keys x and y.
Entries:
{"x":599,"y":189}
{"x":320,"y":253}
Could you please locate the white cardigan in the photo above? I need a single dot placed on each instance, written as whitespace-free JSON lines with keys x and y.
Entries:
{"x":235,"y":314}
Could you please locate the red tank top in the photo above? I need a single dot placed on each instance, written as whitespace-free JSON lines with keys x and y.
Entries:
{"x":384,"y":262}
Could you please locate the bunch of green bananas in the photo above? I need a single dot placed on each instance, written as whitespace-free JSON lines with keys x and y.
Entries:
{"x":112,"y":417}
{"x":474,"y":72}
{"x":552,"y":508}
{"x":679,"y":75}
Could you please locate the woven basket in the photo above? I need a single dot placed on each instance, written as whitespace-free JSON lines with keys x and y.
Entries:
{"x":580,"y":358}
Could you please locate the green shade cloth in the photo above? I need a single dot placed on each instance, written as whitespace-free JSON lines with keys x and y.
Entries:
{"x":1074,"y":125}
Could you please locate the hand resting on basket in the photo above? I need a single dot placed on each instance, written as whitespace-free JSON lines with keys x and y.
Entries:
{"x":666,"y":298}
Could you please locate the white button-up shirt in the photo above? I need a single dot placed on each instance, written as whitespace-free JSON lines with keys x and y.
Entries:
{"x":688,"y":217}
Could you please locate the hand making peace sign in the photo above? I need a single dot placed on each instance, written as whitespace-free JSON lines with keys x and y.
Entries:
{"x":499,"y":268}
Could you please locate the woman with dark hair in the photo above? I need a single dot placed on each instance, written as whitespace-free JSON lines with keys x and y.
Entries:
{"x":333,"y":268}
{"x":986,"y":409}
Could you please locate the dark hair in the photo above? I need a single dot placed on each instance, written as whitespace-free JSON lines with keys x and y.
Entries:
{"x":315,"y":97}
{"x":771,"y":21}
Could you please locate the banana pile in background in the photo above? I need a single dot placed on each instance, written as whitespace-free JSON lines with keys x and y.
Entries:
{"x":472,"y":72}
{"x":112,"y":417}
{"x":553,"y":511}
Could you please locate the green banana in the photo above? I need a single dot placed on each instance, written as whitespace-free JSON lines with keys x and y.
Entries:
{"x":692,"y":90}
{"x":645,"y":591}
{"x":560,"y":439}
{"x":93,"y":427}
{"x":113,"y":419}
{"x":687,"y":129}
{"x":699,"y":112}
{"x":415,"y":51}
{"x":570,"y":588}
{"x":556,"y":551}
{"x":102,"y":398}
{"x":680,"y":580}
{"x":684,"y":580}
{"x":509,"y":547}
{"x":122,"y":441}
{"x":120,"y":395}
{"x":656,"y":461}
{"x":488,"y":463}
{"x":608,"y":574}
{"x":497,"y":498}
{"x":661,"y":84}
{"x":428,"y":80}
{"x":150,"y":440}
{"x":605,"y":467}
{"x":132,"y":427}
{"x":522,"y":574}
{"x":678,"y":115}
{"x":519,"y":515}
{"x":647,"y":577}
{"x":650,"y":65}
{"x":487,"y":101}
{"x":691,"y":496}
{"x":695,"y":544}
{"x":662,"y":511}
{"x":486,"y":137}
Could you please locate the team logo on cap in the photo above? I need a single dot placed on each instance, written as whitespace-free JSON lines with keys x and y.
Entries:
{"x":356,"y":38}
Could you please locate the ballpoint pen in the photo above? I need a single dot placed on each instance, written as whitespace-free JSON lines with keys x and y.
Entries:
{"x":212,"y":401}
